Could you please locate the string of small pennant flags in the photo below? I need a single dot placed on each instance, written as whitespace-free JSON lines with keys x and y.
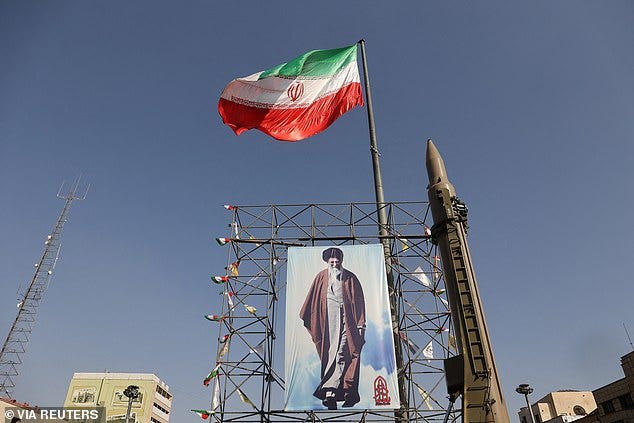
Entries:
{"x":438,"y":292}
{"x":406,"y":243}
{"x":431,"y":281}
{"x":422,"y":277}
{"x":231,"y":271}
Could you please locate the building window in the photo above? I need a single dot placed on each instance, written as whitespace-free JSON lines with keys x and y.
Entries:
{"x":626,"y":402}
{"x":161,"y":408}
{"x":579,"y":410}
{"x":607,"y":406}
{"x":163,"y":392}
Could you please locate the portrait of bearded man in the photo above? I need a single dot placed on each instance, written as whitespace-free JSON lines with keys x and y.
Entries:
{"x":334,"y":315}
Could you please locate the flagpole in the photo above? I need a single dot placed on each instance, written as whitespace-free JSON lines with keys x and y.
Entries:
{"x":374,"y":150}
{"x":401,"y":414}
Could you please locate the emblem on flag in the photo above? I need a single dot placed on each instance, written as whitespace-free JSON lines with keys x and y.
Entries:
{"x":295,"y":91}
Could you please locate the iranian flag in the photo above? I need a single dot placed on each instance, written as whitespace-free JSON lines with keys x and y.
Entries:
{"x":203,"y":414}
{"x":294,"y":100}
{"x":215,"y":372}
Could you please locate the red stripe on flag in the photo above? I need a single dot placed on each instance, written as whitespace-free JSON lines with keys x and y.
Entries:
{"x":291,"y":124}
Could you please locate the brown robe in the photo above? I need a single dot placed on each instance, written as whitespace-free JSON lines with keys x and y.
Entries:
{"x":314,"y":313}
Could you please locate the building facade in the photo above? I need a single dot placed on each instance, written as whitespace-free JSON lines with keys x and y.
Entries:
{"x":615,"y":400}
{"x":106,"y":390}
{"x":560,"y":407}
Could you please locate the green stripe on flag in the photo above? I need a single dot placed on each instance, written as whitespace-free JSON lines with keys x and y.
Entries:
{"x":315,"y":63}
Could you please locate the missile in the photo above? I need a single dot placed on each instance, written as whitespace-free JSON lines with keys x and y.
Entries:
{"x":472,"y":373}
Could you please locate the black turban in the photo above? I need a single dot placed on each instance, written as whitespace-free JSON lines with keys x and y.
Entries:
{"x":332,"y":252}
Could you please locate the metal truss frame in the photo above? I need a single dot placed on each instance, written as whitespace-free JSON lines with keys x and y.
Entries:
{"x":249,"y":386}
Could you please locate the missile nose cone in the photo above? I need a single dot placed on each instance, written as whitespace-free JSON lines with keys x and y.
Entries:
{"x":435,"y":164}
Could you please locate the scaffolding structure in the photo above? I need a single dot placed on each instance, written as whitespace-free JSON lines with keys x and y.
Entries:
{"x":14,"y":346}
{"x":247,"y":384}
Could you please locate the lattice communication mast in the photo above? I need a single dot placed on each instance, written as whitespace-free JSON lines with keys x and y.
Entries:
{"x":14,"y":346}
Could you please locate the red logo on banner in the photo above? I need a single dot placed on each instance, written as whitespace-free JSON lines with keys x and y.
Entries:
{"x":381,"y":393}
{"x":295,"y":91}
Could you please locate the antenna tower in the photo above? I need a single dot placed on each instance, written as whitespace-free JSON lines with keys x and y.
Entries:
{"x":15,"y":344}
{"x":628,"y":336}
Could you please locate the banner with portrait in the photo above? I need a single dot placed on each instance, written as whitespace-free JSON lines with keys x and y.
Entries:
{"x":339,"y":342}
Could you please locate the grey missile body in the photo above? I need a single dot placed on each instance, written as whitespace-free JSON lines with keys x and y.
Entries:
{"x":472,"y":374}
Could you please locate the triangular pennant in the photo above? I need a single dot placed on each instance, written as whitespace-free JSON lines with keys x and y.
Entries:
{"x":422,"y":277}
{"x":445,"y":302}
{"x":212,"y":375}
{"x":428,"y":351}
{"x":410,"y":344}
{"x":233,"y":268}
{"x":224,"y":350}
{"x":244,"y":398}
{"x":223,"y":241}
{"x":404,"y":246}
{"x":220,"y":279}
{"x":203,"y":414}
{"x":215,"y":401}
{"x":258,"y":349}
{"x":425,"y":396}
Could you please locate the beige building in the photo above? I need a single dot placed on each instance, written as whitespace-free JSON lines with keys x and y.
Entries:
{"x":560,"y":407}
{"x":106,"y":390}
{"x":615,"y":403}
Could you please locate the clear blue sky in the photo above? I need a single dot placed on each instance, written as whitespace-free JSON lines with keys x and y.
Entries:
{"x":530,"y":104}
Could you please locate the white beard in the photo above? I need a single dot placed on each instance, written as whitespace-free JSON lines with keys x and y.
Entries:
{"x":333,"y":273}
